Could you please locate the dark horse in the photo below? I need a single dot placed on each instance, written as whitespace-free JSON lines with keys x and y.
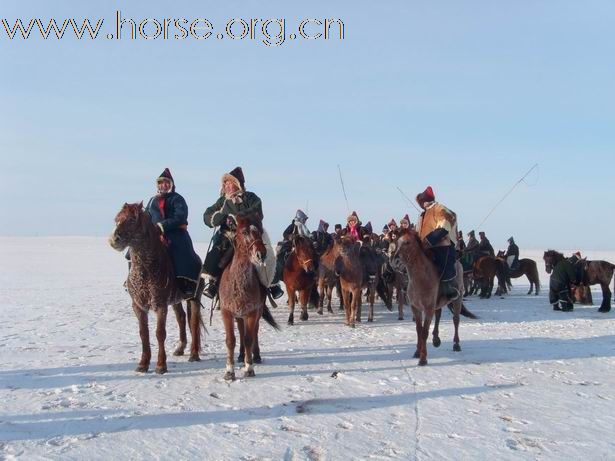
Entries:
{"x":242,"y":295}
{"x":300,"y":276}
{"x":486,"y":269}
{"x":588,"y":273}
{"x":527,"y":267}
{"x":152,"y":285}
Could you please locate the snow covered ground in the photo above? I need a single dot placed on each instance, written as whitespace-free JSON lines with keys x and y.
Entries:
{"x":529,"y":383}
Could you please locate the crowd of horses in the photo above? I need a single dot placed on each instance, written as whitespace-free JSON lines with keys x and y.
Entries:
{"x":404,"y":271}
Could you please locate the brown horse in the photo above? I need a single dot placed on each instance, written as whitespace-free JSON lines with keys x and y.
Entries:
{"x":327,"y":280}
{"x":350,"y":272}
{"x":152,"y":285}
{"x":300,"y":276}
{"x":423,"y":291}
{"x":587,"y":273}
{"x":527,"y":267}
{"x":485,"y":270}
{"x":242,"y":296}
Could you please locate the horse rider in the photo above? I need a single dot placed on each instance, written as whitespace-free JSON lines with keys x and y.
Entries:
{"x":169,"y":212}
{"x":437,"y":227}
{"x":296,"y":227}
{"x":234,"y":201}
{"x":512,"y":254}
{"x":562,"y":278}
{"x":337,"y":232}
{"x":404,"y":223}
{"x":484,"y":247}
{"x":460,"y":246}
{"x":322,"y":239}
{"x":354,"y":227}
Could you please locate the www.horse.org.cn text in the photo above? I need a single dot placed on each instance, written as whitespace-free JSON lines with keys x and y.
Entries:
{"x":271,"y":32}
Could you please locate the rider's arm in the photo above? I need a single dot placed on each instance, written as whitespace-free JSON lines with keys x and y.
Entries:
{"x":178,"y":215}
{"x":213,"y":216}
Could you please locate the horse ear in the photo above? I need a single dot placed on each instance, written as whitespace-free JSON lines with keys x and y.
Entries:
{"x":141,"y":205}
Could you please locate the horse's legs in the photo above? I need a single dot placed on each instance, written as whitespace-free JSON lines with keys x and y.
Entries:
{"x":345,"y":300}
{"x":291,"y":305}
{"x":401,"y":296}
{"x":436,"y":341}
{"x":229,"y":329}
{"x":489,"y":287}
{"x":304,"y":297}
{"x":250,"y":326}
{"x":256,"y":349}
{"x":321,"y":294}
{"x":329,"y":297}
{"x":606,"y":298}
{"x":180,"y":316}
{"x":456,"y":311}
{"x":241,"y":358}
{"x":146,"y":352}
{"x":194,"y":307}
{"x":419,"y":331}
{"x":161,"y":336}
{"x":427,"y":316}
{"x":372,"y":300}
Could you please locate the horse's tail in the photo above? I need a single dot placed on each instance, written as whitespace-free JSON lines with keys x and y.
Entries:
{"x":269,"y":318}
{"x":314,"y":297}
{"x":535,"y":276}
{"x":464,"y":311}
{"x":384,"y":294}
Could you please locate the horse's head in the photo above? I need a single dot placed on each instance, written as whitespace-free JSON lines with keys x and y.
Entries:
{"x":305,"y":253}
{"x":551,"y":258}
{"x":129,"y":223}
{"x":249,"y":234}
{"x":346,"y":245}
{"x":406,"y":243}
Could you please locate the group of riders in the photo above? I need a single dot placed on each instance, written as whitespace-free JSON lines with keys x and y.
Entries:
{"x":436,"y":227}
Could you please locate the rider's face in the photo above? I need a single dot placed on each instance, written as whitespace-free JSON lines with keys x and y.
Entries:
{"x":230,"y":187}
{"x":164,"y":186}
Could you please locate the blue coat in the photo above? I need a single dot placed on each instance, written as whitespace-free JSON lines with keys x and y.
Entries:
{"x":174,"y":222}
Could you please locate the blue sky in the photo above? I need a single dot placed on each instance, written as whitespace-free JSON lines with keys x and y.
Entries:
{"x":464,"y":96}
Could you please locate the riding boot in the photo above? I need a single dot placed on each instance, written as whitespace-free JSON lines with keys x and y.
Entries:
{"x":211,"y":287}
{"x":448,"y":289}
{"x":275,"y":290}
{"x":445,"y":261}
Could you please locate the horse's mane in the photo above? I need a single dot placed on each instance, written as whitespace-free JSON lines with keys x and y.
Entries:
{"x":251,"y":219}
{"x":554,"y":254}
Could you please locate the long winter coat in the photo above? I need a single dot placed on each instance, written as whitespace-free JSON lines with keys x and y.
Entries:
{"x":437,"y":216}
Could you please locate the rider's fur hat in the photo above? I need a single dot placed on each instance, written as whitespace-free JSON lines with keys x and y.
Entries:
{"x":354,"y":216}
{"x":323,"y":226}
{"x":511,"y":240}
{"x":236,"y":176}
{"x":301,"y":216}
{"x":426,"y":196}
{"x":166,"y":174}
{"x":385,"y":230}
{"x":471,"y":233}
{"x":392,"y":223}
{"x":406,"y":219}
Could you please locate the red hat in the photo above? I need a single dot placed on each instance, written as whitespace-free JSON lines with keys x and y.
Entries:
{"x":426,"y":196}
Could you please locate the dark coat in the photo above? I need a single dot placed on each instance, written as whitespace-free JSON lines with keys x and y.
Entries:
{"x":563,"y":276}
{"x":173,"y":218}
{"x":485,"y":248}
{"x":513,"y":250}
{"x":244,"y":204}
{"x":322,"y":240}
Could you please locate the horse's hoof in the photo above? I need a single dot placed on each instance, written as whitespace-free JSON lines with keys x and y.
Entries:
{"x":249,"y":373}
{"x":400,"y":317}
{"x":194,"y":358}
{"x":290,"y":322}
{"x":370,"y":320}
{"x":416,"y":355}
{"x":604,"y":309}
{"x":319,"y":311}
{"x":436,"y":341}
{"x":241,"y":359}
{"x":178,"y":352}
{"x":229,"y":376}
{"x":352,"y":325}
{"x":329,"y":310}
{"x":456,"y":347}
{"x":422,"y":362}
{"x":161,"y":370}
{"x":304,"y":316}
{"x":257,"y":359}
{"x":142,"y":368}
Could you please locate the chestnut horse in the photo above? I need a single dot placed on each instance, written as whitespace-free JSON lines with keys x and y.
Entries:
{"x":486,"y":268}
{"x":242,"y":296}
{"x":300,"y":276}
{"x":588,"y":273}
{"x":423,"y":291}
{"x":527,"y":267}
{"x":327,"y":280}
{"x":152,"y":285}
{"x":349,"y":269}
